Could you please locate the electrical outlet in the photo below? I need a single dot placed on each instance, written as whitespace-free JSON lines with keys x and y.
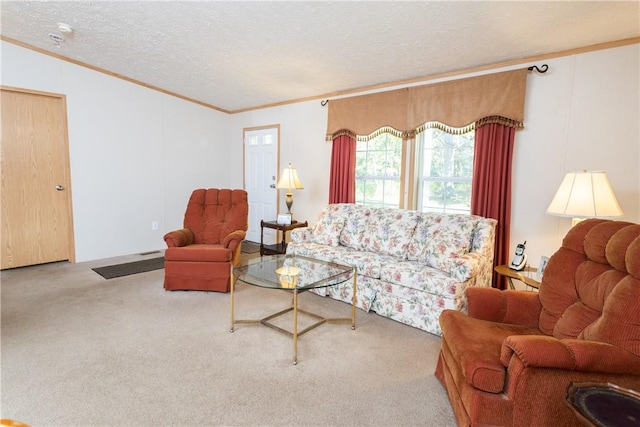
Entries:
{"x":154,"y":225}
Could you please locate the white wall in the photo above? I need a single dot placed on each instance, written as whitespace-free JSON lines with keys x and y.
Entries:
{"x":584,"y":113}
{"x":136,"y":154}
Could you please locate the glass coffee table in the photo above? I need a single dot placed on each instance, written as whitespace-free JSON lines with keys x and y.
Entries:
{"x":294,"y":274}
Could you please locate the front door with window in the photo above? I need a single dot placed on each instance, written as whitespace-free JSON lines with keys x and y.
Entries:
{"x":260,"y":174}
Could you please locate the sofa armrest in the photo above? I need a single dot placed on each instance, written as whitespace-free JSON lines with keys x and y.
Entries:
{"x":178,"y":238}
{"x":300,"y":235}
{"x":513,"y":307}
{"x":569,"y":354}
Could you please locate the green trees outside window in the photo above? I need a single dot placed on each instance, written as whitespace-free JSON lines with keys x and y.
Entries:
{"x":378,"y":167}
{"x":445,"y":170}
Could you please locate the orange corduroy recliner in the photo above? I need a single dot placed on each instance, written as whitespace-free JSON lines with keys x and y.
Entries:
{"x":510,"y":361}
{"x":200,"y":255}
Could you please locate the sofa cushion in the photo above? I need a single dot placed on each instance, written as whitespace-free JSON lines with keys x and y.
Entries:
{"x":318,"y":251}
{"x":355,"y":223}
{"x":199,"y":253}
{"x":438,"y":236}
{"x":449,"y":236}
{"x":389,"y":231}
{"x":328,"y":227}
{"x":419,"y":238}
{"x":366,"y":263}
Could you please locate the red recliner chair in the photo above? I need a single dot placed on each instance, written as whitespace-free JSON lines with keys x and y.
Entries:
{"x":512,"y":358}
{"x":200,"y":256}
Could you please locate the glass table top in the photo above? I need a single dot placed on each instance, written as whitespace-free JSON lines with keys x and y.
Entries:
{"x":292,"y":272}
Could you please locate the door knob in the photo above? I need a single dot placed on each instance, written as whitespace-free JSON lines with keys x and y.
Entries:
{"x":59,"y":187}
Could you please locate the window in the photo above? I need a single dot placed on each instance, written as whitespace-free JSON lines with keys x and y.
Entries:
{"x":378,"y":171}
{"x":444,"y":171}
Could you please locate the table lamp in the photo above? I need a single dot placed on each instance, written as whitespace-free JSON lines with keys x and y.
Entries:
{"x":289,"y":180}
{"x":585,"y":195}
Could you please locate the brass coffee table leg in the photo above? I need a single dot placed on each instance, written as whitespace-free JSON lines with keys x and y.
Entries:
{"x":233,"y":285}
{"x":353,"y":302}
{"x":295,"y":326}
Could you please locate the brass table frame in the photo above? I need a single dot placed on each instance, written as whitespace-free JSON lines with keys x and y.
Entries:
{"x":294,"y":307}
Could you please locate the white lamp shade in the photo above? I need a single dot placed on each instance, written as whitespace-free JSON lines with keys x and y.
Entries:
{"x":585,"y":195}
{"x":289,"y":179}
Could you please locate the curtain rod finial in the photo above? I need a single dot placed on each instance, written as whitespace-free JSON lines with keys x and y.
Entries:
{"x":324,"y":102}
{"x":543,"y":68}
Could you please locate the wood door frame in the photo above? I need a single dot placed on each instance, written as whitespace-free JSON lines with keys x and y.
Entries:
{"x":65,"y":157}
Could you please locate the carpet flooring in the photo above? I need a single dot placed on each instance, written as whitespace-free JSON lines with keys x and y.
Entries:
{"x":78,"y":353}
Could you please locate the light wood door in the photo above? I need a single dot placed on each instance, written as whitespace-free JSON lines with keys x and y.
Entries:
{"x":260,"y":173}
{"x":36,"y":199}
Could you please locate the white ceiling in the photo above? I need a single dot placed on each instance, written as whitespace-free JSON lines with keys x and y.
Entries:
{"x":235,"y":55}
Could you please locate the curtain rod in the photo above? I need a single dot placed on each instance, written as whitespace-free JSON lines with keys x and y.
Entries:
{"x":542,"y":69}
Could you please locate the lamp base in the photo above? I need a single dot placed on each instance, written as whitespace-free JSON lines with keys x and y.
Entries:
{"x":289,"y":202}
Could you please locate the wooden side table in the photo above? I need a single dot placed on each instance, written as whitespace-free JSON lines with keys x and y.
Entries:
{"x":523,"y":275}
{"x":278,"y":248}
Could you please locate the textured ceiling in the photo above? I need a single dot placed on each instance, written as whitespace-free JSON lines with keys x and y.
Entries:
{"x":236,"y":55}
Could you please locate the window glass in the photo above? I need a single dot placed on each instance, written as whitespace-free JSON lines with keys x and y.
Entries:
{"x":444,"y":171}
{"x":378,"y":167}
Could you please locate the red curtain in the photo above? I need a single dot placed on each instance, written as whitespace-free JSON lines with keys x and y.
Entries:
{"x":491,"y":188}
{"x":342,"y":179}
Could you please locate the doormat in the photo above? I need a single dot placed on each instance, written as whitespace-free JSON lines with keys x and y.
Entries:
{"x":119,"y":270}
{"x":249,"y":247}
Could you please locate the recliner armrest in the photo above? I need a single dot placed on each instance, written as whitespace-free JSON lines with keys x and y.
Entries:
{"x":570,"y":354}
{"x":234,"y":238}
{"x":513,"y":307}
{"x":179,"y":238}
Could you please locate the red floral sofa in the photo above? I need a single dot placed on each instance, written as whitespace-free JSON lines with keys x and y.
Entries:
{"x":411,"y":265}
{"x":510,"y":361}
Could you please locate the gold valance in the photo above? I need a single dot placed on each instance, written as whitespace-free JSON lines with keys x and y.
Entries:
{"x":456,"y":104}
